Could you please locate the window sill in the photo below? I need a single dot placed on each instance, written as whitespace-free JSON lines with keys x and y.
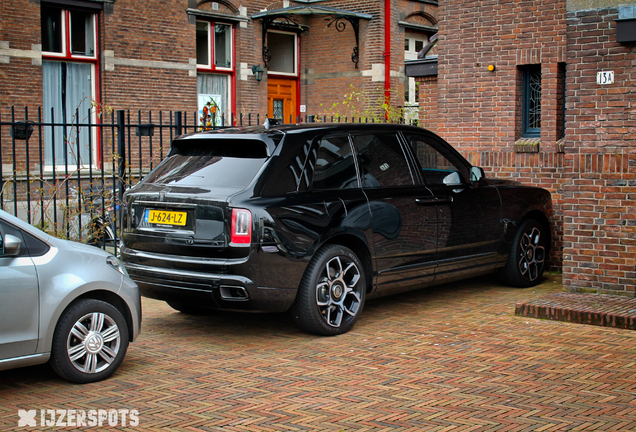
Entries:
{"x":528,"y":145}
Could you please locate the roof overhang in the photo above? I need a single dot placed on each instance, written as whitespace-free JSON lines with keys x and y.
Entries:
{"x":421,"y":67}
{"x":418,"y":27}
{"x":310,"y":10}
{"x":216,"y":15}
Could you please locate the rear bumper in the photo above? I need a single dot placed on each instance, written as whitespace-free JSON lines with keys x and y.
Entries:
{"x":216,"y":291}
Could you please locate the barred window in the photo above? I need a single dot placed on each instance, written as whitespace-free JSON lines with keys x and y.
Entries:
{"x":531,"y":111}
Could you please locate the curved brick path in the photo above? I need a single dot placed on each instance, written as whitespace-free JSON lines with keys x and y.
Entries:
{"x":450,"y":358}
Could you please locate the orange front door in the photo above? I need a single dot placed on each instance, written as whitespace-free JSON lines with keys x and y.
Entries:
{"x":281,"y":99}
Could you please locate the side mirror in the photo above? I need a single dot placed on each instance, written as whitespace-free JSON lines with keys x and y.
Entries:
{"x":476,"y":175}
{"x":452,"y":179}
{"x":12,"y":245}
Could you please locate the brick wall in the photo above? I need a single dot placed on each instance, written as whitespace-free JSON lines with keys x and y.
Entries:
{"x":20,"y":30}
{"x":20,"y":76}
{"x":162,"y":33}
{"x":600,"y":186}
{"x":479,"y":108}
{"x":428,"y":114}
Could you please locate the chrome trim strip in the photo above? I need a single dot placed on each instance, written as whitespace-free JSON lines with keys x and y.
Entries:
{"x":181,"y":258}
{"x":155,"y":270}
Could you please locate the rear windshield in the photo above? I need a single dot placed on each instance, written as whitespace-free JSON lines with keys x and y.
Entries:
{"x":211,"y":163}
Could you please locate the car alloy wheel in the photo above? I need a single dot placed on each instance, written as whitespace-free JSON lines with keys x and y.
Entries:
{"x":336,"y":294}
{"x":527,"y":256}
{"x":531,"y":254}
{"x":332,"y":292}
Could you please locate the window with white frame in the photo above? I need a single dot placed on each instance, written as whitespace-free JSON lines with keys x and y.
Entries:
{"x":283,"y":48}
{"x":215,"y":67}
{"x":68,"y":82}
{"x":413,"y":44}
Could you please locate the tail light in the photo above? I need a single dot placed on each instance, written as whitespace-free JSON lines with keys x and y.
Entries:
{"x":241,"y":226}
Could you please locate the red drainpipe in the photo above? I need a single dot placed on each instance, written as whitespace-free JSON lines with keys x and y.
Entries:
{"x":387,"y":52}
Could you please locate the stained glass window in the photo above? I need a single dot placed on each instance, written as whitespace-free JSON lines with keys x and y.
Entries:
{"x":278,"y":109}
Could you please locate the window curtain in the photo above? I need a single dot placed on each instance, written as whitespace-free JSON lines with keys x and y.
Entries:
{"x":68,"y":92}
{"x":214,"y":89}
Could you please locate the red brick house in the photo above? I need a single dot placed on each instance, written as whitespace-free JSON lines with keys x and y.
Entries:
{"x":133,"y":54}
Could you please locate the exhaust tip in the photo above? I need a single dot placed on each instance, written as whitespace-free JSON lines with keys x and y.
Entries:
{"x":233,"y":292}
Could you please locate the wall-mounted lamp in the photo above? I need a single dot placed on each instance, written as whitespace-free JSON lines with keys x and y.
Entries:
{"x":491,"y":68}
{"x":258,"y":72}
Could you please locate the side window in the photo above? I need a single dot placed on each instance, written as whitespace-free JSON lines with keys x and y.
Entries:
{"x":34,"y":246}
{"x":301,"y":166}
{"x":293,"y":170}
{"x":438,"y":168}
{"x":335,"y":168}
{"x":382,"y":161}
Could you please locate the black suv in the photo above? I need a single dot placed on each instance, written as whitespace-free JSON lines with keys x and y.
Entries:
{"x":316,"y":218}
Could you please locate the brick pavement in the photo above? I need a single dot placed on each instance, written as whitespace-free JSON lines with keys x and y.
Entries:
{"x":450,"y":358}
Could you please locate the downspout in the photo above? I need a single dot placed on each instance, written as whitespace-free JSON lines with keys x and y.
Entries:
{"x":387,"y":54}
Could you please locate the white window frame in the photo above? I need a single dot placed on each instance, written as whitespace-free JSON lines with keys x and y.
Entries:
{"x":296,"y":53}
{"x":411,"y":54}
{"x":66,"y":50}
{"x":66,"y":56}
{"x":210,"y":66}
{"x":93,"y":131}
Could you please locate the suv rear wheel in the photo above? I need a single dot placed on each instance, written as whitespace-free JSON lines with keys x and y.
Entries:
{"x":331,"y":293}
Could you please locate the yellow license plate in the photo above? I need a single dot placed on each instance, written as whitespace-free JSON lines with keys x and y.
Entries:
{"x":163,"y":217}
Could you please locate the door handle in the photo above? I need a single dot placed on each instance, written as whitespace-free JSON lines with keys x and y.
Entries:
{"x":444,"y":200}
{"x":434,"y":200}
{"x":426,"y":201}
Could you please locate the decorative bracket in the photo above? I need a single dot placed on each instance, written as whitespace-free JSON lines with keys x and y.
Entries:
{"x":340,"y":26}
{"x":270,"y":22}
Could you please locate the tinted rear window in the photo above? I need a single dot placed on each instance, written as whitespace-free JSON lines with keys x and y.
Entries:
{"x":220,"y":163}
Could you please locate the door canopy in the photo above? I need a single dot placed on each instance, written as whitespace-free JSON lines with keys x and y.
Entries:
{"x":284,"y":19}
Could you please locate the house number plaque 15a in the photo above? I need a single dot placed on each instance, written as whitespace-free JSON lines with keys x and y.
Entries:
{"x":605,"y":77}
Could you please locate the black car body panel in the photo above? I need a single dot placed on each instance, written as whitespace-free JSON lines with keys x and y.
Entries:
{"x":409,"y":206}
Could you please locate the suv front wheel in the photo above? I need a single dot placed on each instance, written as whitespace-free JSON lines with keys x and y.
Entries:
{"x":331,"y":293}
{"x":527,"y":256}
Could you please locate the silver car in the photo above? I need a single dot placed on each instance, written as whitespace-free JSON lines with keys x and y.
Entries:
{"x":67,"y":303}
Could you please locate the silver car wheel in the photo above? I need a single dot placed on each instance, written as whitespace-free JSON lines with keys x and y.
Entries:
{"x":337,"y":294}
{"x":93,"y":342}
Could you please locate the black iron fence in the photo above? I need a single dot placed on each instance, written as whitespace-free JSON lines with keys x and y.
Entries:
{"x":68,"y":177}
